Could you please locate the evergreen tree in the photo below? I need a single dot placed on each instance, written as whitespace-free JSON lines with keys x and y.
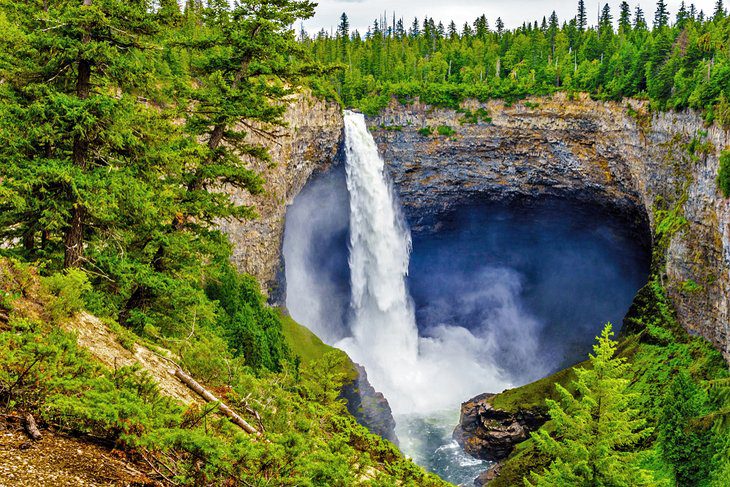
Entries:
{"x":606,"y":19}
{"x":719,"y":13}
{"x":639,"y":19}
{"x":74,"y":142}
{"x":500,"y":26}
{"x":661,"y":16}
{"x":595,"y":428}
{"x":624,"y":20}
{"x":343,"y":35}
{"x":684,"y":445}
{"x":682,"y":16}
{"x":582,"y":17}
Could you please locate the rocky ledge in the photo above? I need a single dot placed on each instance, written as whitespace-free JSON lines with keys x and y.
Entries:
{"x":491,"y":434}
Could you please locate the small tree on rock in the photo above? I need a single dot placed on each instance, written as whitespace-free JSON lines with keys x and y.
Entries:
{"x":595,"y":430}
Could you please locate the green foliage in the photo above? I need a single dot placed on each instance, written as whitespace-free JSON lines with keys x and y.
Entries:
{"x":308,"y":437}
{"x":597,"y":429}
{"x":426,"y":131}
{"x":479,"y":115}
{"x":723,"y":174}
{"x":253,"y":329}
{"x":685,"y":446}
{"x":69,"y":288}
{"x":674,"y":66}
{"x":445,"y":130}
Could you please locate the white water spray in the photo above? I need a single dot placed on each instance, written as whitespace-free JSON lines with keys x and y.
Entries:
{"x":425,"y":374}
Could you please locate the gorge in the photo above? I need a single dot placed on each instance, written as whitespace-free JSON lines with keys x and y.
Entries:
{"x":610,"y":171}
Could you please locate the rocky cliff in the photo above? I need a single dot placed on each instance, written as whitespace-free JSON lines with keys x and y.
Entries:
{"x":651,"y":167}
{"x":308,"y":143}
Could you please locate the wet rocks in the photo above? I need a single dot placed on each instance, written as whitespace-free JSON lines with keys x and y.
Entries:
{"x":491,"y":434}
{"x":621,"y":156}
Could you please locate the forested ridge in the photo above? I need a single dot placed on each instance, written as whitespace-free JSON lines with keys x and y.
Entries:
{"x":675,"y":59}
{"x":120,"y":120}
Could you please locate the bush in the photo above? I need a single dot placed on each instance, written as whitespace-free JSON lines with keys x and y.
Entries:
{"x":723,"y":175}
{"x":69,"y":288}
{"x":445,"y":130}
{"x":425,"y":131}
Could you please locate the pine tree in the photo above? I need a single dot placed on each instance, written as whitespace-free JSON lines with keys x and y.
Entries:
{"x":639,"y":19}
{"x":582,"y":17}
{"x":719,"y":13}
{"x":594,"y":429}
{"x":682,"y":16}
{"x":661,"y":16}
{"x":624,"y":19}
{"x":685,"y":447}
{"x":500,"y":26}
{"x":343,"y":36}
{"x":606,"y":19}
{"x":73,"y":134}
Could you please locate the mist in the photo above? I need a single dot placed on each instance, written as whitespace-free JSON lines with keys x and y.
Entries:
{"x":502,"y":294}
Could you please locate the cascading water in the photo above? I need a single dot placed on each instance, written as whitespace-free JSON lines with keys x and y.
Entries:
{"x":423,"y":374}
{"x":500,"y":293}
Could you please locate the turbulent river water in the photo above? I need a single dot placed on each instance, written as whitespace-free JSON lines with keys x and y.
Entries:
{"x":499,"y":295}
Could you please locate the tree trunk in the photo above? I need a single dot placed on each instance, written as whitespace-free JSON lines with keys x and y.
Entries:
{"x":74,"y":237}
{"x":209,"y":397}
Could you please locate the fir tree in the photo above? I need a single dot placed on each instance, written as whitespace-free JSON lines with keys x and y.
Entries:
{"x":595,"y":429}
{"x":624,"y":19}
{"x":582,"y":17}
{"x":661,"y":16}
{"x":684,"y":446}
{"x":500,"y":26}
{"x":719,"y":12}
{"x":639,"y":19}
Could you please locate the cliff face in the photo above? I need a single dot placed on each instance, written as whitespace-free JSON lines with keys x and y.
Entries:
{"x":644,"y":165}
{"x":307,"y":144}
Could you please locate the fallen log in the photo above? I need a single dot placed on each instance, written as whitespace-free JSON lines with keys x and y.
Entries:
{"x":209,"y":397}
{"x":31,"y":428}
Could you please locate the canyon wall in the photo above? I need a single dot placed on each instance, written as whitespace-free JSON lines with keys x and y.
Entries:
{"x":643,"y":164}
{"x":309,"y":142}
{"x":651,"y":167}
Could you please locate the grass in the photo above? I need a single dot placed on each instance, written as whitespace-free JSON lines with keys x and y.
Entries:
{"x":306,"y":345}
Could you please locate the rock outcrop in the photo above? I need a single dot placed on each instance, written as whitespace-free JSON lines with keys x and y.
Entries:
{"x":491,"y":434}
{"x":369,"y":407}
{"x":647,"y":166}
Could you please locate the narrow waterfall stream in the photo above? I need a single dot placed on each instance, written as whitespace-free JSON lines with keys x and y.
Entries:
{"x":498,"y":295}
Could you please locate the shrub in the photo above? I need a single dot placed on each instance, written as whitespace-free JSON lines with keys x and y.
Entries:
{"x":445,"y":130}
{"x":69,"y":288}
{"x":723,"y":175}
{"x":425,"y":131}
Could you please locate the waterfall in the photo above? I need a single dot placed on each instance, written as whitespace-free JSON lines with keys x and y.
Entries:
{"x":422,"y":373}
{"x":383,"y":325}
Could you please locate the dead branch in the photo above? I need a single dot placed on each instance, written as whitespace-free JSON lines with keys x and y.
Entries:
{"x":208,"y":396}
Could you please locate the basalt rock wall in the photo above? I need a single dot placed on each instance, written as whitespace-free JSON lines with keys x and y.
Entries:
{"x":651,"y":167}
{"x":309,"y":142}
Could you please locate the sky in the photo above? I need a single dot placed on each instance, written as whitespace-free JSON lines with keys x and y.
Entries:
{"x":513,"y":12}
